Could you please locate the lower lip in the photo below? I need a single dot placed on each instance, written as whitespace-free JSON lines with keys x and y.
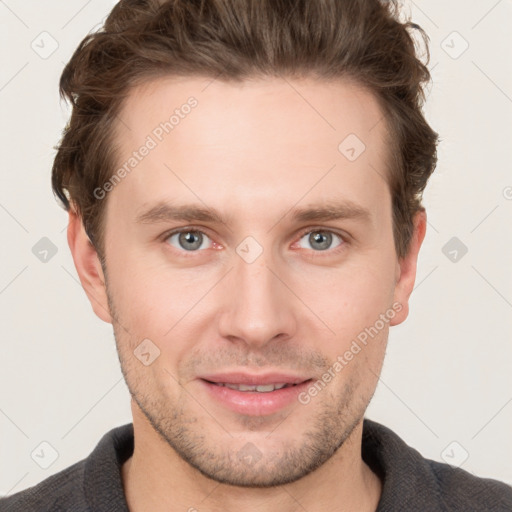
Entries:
{"x":254,"y":403}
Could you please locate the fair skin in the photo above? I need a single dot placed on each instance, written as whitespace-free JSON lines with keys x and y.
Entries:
{"x":255,"y":152}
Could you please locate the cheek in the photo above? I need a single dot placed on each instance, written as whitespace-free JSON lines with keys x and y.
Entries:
{"x":155,"y":302}
{"x":348,"y":299}
{"x":138,"y":297}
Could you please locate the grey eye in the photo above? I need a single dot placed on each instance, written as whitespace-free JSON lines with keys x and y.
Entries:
{"x":320,"y":240}
{"x":189,"y":240}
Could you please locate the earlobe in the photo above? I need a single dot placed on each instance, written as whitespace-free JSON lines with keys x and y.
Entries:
{"x":406,"y":271}
{"x":88,"y":266}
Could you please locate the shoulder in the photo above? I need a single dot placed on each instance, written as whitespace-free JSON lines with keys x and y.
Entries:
{"x":60,"y":492}
{"x":93,"y":483}
{"x":413,"y":482}
{"x":461,"y":490}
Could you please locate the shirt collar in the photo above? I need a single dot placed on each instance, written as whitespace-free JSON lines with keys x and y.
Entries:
{"x":407,"y":479}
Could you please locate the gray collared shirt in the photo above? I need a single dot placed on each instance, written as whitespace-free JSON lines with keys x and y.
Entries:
{"x":410,"y":482}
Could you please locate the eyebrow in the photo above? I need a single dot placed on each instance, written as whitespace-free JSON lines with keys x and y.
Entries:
{"x":330,"y":210}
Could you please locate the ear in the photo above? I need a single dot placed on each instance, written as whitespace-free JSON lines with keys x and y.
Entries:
{"x":406,"y":268}
{"x":88,"y":266}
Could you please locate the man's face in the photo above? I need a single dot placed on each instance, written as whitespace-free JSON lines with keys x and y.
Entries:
{"x":263,"y":291}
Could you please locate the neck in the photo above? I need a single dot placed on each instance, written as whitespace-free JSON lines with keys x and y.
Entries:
{"x":155,"y":478}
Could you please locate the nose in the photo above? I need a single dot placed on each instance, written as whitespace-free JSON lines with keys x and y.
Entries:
{"x":257,"y":306}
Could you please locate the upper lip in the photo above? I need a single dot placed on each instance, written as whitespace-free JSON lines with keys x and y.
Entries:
{"x":255,"y":379}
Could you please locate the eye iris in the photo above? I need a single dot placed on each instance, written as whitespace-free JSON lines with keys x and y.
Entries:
{"x":323,"y":238}
{"x":193,"y":239}
{"x":188,"y":237}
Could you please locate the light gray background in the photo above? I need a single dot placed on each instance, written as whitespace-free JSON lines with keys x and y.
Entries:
{"x":448,"y":372}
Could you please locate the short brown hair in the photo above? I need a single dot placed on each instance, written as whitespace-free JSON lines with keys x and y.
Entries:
{"x":232,"y":40}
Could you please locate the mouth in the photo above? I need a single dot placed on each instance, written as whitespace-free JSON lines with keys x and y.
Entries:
{"x":261,"y":388}
{"x":254,"y":399}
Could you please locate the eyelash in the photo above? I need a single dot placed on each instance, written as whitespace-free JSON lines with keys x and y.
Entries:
{"x":305,"y":231}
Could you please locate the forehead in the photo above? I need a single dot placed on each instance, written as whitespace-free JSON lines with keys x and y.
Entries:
{"x":245,"y":138}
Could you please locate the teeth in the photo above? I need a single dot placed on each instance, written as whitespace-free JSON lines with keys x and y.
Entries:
{"x":264,"y":388}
